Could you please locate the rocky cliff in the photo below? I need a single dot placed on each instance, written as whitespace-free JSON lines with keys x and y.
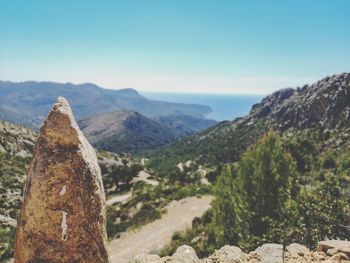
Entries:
{"x":325,"y":103}
{"x":63,"y":213}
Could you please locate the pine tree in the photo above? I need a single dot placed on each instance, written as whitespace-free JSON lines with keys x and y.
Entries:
{"x":224,"y":208}
{"x":264,"y":183}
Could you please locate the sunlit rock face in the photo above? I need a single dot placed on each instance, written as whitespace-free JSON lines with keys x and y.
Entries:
{"x":63,"y":213}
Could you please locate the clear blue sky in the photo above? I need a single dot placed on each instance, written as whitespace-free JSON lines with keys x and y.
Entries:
{"x":247,"y":46}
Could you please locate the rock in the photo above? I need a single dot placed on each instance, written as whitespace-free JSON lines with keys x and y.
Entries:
{"x":7,"y":221}
{"x":147,"y":259}
{"x":270,"y":253}
{"x":228,"y":254}
{"x":63,"y":214}
{"x":297,"y":250}
{"x":331,"y":251}
{"x":337,"y":245}
{"x":339,"y":256}
{"x":345,"y":250}
{"x":184,"y":254}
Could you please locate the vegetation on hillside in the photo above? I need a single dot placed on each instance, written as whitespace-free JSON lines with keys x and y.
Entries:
{"x":208,"y":148}
{"x":12,"y":175}
{"x":276,"y":194}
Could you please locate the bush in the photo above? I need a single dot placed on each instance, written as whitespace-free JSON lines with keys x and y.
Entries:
{"x":7,"y":237}
{"x":329,"y":162}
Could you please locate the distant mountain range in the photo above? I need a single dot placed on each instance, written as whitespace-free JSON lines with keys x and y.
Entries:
{"x":28,"y":103}
{"x":113,"y":120}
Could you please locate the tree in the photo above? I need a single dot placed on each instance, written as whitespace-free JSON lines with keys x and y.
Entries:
{"x":264,"y":181}
{"x":224,"y":207}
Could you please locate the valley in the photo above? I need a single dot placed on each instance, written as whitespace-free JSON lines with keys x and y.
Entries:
{"x":196,"y":181}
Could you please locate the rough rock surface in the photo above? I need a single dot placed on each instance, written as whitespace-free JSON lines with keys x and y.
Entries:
{"x":63,"y":214}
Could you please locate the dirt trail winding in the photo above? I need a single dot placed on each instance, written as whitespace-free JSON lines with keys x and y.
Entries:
{"x":157,"y":234}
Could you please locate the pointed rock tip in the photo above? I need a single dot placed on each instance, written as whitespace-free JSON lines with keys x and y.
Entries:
{"x":62,"y":105}
{"x":60,"y":126}
{"x":62,"y":101}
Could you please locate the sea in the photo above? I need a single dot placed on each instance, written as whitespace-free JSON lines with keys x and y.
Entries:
{"x":224,"y":106}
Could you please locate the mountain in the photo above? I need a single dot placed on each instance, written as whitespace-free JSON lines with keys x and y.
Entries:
{"x":323,"y":107}
{"x":185,"y":124}
{"x":126,"y":131}
{"x":28,"y":102}
{"x":129,"y":131}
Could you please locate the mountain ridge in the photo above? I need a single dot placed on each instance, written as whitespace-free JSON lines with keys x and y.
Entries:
{"x":130,"y":131}
{"x":28,"y":102}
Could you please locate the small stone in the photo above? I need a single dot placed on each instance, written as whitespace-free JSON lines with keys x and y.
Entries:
{"x":270,"y":253}
{"x":331,"y":251}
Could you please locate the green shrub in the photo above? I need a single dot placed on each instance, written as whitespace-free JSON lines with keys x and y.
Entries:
{"x":329,"y":162}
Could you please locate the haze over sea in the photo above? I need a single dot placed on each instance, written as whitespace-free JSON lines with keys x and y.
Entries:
{"x":224,"y":106}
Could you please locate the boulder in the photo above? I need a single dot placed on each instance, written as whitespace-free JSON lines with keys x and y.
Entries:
{"x":270,"y":253}
{"x":331,"y":247}
{"x":297,"y":250}
{"x":63,"y":213}
{"x":184,"y":254}
{"x":228,"y":254}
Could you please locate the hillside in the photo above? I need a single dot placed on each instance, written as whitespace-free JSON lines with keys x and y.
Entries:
{"x":323,"y":107}
{"x":125,"y":131}
{"x":185,"y":125}
{"x":27,"y":103}
{"x":129,"y":131}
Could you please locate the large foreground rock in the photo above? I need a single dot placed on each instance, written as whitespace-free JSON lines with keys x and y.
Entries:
{"x":63,"y":213}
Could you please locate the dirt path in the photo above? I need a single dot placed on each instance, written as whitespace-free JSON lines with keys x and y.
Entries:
{"x":157,"y":234}
{"x":144,"y":176}
{"x":119,"y":198}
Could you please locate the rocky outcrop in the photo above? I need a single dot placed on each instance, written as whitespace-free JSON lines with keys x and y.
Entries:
{"x":16,"y":140}
{"x":331,"y":251}
{"x":63,"y":213}
{"x":325,"y":103}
